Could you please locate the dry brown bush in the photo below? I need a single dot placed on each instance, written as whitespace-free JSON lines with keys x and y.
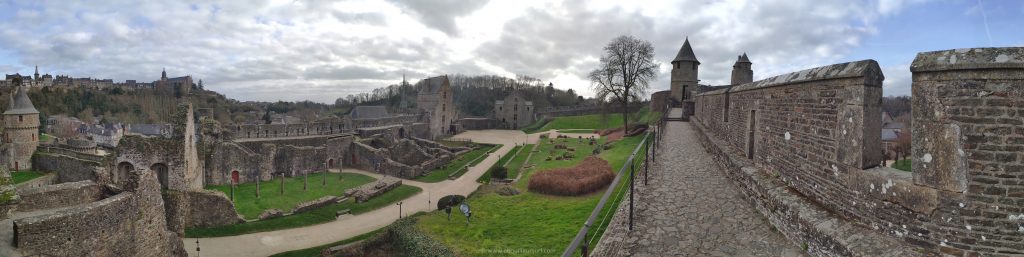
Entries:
{"x":590,"y":175}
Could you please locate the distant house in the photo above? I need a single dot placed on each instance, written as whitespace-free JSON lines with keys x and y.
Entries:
{"x":514,"y":111}
{"x":105,"y":135}
{"x":63,"y":126}
{"x":891,"y":131}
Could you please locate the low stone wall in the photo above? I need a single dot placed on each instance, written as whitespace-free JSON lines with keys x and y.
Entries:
{"x":59,"y":195}
{"x":366,"y":192}
{"x":802,"y":221}
{"x":210,"y":208}
{"x":127,"y":224}
{"x":68,"y":167}
{"x":45,"y":180}
{"x":315,"y":204}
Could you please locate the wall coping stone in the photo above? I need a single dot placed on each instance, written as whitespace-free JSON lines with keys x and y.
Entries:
{"x":969,"y":59}
{"x":863,"y":68}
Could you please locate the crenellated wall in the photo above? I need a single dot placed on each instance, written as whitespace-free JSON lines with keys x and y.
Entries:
{"x":816,"y":132}
{"x":968,"y":109}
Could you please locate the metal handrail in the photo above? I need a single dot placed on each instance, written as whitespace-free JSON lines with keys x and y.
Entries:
{"x":569,"y":251}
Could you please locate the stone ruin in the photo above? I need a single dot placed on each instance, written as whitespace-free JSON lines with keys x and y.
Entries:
{"x":365,"y":192}
{"x":405,"y":157}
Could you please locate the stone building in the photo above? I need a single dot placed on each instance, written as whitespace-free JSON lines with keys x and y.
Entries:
{"x":514,"y":112}
{"x":178,"y":86}
{"x":435,"y":99}
{"x":741,"y":72}
{"x":21,"y":131}
{"x":684,"y":74}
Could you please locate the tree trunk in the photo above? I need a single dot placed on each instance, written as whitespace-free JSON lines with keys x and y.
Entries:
{"x":625,"y":116}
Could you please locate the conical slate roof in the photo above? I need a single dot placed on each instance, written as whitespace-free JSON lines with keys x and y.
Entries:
{"x":743,"y":58}
{"x":686,"y":53}
{"x":22,"y":104}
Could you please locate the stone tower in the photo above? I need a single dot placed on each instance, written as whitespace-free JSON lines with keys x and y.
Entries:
{"x":741,"y":72}
{"x":21,"y":130}
{"x":684,"y":73}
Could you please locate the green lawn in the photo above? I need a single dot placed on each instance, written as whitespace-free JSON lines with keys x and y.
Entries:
{"x":536,"y":224}
{"x":250,"y":207}
{"x":593,"y":121}
{"x":903,"y":165}
{"x":23,"y":176}
{"x":440,"y":174}
{"x":321,"y":215}
{"x":517,"y":162}
{"x":486,"y":177}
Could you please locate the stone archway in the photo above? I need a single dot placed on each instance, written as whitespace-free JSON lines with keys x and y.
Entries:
{"x":161,"y":174}
{"x":121,"y":174}
{"x":234,"y":177}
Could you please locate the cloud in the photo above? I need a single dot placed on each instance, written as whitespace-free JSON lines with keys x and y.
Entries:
{"x":322,"y":50}
{"x":440,"y":14}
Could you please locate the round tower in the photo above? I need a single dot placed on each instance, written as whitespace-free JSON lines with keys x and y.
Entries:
{"x":684,"y":73}
{"x":21,"y":130}
{"x":741,"y":71}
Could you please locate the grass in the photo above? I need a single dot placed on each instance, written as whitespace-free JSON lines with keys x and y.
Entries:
{"x":453,"y":167}
{"x":321,"y":215}
{"x":24,"y":176}
{"x":250,"y":207}
{"x":486,"y":177}
{"x":518,"y":160}
{"x":529,"y":223}
{"x":591,"y":122}
{"x":315,"y":251}
{"x":903,"y":165}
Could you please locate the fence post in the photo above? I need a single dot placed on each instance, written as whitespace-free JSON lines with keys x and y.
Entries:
{"x":647,"y":157}
{"x":585,"y":252}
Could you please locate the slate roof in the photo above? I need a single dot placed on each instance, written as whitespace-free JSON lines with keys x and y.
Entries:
{"x":21,"y":104}
{"x":686,"y":53}
{"x":369,"y":112}
{"x":894,"y":125}
{"x":889,"y":135}
{"x":147,"y":129}
{"x":743,"y":58}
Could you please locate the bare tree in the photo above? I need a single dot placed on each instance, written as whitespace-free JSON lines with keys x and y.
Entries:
{"x":627,"y":66}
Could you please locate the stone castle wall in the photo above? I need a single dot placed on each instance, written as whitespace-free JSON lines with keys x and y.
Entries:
{"x":69,"y":168}
{"x":206,"y":208}
{"x":816,"y":132}
{"x":59,"y":195}
{"x":127,"y":224}
{"x":345,"y":125}
{"x":968,"y":109}
{"x":261,"y":159}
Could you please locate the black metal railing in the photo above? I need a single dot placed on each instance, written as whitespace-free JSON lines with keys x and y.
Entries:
{"x":649,"y":145}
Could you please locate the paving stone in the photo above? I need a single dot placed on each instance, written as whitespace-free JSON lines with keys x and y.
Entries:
{"x":689,"y":208}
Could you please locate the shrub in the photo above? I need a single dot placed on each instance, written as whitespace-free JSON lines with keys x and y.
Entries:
{"x":444,"y":202}
{"x":589,"y":176}
{"x":499,"y":172}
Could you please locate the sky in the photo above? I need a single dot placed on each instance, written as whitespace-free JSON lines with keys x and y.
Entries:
{"x":317,"y":50}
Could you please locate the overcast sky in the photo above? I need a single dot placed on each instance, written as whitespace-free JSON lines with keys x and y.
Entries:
{"x":322,"y":50}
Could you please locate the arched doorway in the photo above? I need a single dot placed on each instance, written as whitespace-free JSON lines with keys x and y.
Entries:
{"x":123,"y":169}
{"x":234,"y":177}
{"x":401,"y":132}
{"x":330,"y":163}
{"x":161,"y":174}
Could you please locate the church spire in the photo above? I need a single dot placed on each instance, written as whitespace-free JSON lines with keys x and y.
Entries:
{"x":163,"y":74}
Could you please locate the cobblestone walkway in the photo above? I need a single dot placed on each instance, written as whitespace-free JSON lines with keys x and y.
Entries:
{"x":690,"y":208}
